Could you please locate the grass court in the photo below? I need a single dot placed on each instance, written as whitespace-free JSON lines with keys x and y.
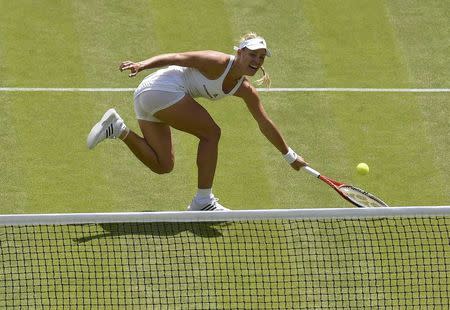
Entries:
{"x":45,"y":166}
{"x":404,"y":137}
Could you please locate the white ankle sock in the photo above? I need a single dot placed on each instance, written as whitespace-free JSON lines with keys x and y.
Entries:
{"x":125,"y":131}
{"x":204,"y":195}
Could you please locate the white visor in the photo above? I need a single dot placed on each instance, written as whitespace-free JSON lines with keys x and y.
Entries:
{"x":254,"y":44}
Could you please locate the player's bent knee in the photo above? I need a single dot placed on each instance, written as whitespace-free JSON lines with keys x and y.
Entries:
{"x":162,"y":170}
{"x":166,"y":167}
{"x":161,"y":167}
{"x":212,"y":135}
{"x":217,"y":133}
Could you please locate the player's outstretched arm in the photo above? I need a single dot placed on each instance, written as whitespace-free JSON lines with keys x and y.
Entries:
{"x":250,"y":95}
{"x":205,"y":61}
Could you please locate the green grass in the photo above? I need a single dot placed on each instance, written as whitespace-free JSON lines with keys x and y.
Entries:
{"x":403,"y":137}
{"x":45,"y":166}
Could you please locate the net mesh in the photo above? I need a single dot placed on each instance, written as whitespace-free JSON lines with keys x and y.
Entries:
{"x":388,"y":263}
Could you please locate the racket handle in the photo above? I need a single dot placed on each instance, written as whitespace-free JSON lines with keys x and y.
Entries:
{"x":312,"y":171}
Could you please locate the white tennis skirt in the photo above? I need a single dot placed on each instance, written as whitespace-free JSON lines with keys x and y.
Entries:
{"x":150,"y":101}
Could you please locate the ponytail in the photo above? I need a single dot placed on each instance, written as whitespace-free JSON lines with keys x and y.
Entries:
{"x":265,"y":80}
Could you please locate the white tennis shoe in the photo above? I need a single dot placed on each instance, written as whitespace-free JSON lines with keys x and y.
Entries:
{"x":110,"y":126}
{"x":213,"y":205}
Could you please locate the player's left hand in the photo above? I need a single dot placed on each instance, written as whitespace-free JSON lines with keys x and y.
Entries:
{"x":134,"y":67}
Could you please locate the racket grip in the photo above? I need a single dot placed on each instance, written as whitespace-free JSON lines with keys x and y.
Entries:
{"x":312,"y":171}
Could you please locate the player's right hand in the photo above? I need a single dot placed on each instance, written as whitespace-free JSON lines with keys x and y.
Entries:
{"x":299,"y":163}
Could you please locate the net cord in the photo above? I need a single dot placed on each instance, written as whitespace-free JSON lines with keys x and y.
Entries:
{"x":208,"y":216}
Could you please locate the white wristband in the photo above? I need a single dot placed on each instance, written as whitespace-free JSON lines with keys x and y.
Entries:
{"x":290,"y":156}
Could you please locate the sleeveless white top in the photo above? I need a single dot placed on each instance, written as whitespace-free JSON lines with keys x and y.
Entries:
{"x":188,"y":80}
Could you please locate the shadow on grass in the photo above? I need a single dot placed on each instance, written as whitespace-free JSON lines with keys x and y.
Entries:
{"x":201,"y":229}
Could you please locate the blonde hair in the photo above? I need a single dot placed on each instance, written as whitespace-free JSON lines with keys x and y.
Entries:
{"x":265,"y":80}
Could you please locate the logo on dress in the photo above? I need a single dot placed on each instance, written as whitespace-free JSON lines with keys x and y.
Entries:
{"x":207,"y":92}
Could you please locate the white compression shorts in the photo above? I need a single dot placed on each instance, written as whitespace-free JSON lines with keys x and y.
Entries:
{"x":150,"y":101}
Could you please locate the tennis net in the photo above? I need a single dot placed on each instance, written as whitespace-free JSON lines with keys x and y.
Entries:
{"x":389,"y":258}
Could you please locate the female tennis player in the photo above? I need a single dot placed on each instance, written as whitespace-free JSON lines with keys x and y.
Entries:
{"x":165,"y":99}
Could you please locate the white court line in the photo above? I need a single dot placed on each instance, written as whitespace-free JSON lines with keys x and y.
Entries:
{"x":57,"y":89}
{"x":291,"y":89}
{"x":359,"y":90}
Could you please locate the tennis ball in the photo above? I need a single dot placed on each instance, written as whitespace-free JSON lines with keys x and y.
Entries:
{"x":362,"y":168}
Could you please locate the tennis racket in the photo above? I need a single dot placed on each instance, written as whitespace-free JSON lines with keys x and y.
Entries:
{"x":356,"y":196}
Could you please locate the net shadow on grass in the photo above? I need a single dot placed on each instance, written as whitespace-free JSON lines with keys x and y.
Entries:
{"x":111,"y":230}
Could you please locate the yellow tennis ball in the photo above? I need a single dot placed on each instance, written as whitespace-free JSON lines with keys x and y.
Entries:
{"x":362,"y":168}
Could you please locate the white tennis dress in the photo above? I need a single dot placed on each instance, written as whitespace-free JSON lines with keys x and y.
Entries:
{"x":167,"y":86}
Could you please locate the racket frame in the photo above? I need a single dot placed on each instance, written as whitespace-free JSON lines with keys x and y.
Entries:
{"x":337,"y":186}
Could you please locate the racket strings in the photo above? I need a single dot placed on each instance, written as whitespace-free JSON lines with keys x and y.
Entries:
{"x":362,"y":198}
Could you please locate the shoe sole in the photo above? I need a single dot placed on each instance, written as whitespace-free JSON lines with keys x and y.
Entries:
{"x":214,"y":210}
{"x":97,"y":130}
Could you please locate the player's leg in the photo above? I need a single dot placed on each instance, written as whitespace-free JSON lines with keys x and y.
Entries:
{"x":154,"y":149}
{"x":189,"y":116}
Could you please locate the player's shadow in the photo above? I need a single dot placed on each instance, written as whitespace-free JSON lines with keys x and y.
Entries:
{"x":111,"y":230}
